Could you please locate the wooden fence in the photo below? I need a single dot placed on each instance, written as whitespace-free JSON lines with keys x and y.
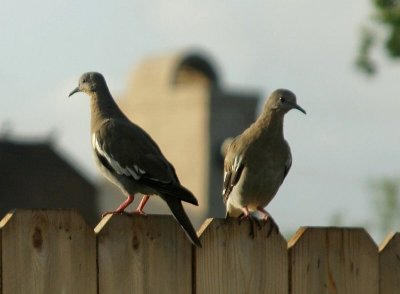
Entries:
{"x":54,"y":251}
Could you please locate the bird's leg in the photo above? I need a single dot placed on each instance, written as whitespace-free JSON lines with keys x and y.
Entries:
{"x":122,"y":207}
{"x":247,"y":216}
{"x":139,"y":209}
{"x":265,"y":218}
{"x":264,"y":213}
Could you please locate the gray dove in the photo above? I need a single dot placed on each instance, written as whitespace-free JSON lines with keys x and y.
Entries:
{"x":130,"y":158}
{"x":258,"y":160}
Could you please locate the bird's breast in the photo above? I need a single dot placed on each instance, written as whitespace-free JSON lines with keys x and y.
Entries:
{"x":261,"y":179}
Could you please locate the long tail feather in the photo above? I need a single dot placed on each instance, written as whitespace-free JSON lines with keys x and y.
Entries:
{"x":180,"y":215}
{"x":173,"y":190}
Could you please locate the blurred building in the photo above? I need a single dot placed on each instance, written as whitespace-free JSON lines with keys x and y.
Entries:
{"x":179,"y":100}
{"x":34,"y":175}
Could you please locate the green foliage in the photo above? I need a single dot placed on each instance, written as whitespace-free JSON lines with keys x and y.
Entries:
{"x":364,"y":61}
{"x":337,"y":219}
{"x":384,"y":215}
{"x":387,"y":14}
{"x":386,"y":199}
{"x":386,"y":4}
{"x":393,"y":43}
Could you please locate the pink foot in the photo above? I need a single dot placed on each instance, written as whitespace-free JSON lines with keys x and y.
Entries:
{"x":245,"y":215}
{"x":111,"y":212}
{"x":136,"y":212}
{"x":265,"y":214}
{"x":265,"y":217}
{"x":139,"y":212}
{"x":139,"y":209}
{"x":121,"y":208}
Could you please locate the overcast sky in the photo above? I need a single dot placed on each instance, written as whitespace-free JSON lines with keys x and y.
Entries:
{"x":349,"y":135}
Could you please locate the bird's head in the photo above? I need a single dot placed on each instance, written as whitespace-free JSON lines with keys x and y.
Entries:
{"x":90,"y":83}
{"x":282,"y":101}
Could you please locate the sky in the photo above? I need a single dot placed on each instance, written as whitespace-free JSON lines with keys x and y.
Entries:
{"x":348,"y":137}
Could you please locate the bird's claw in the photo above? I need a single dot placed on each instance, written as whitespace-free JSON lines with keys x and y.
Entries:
{"x":243,"y":217}
{"x":265,"y":219}
{"x":137,"y":212}
{"x":273,"y":226}
{"x":260,"y":223}
{"x":111,"y":212}
{"x":251,"y":220}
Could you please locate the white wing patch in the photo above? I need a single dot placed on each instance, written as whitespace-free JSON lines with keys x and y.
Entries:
{"x":237,"y":162}
{"x":225,"y":174}
{"x":135,"y":172}
{"x":224,"y":189}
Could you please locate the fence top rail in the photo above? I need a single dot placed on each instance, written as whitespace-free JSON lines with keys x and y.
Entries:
{"x":299,"y":234}
{"x":302,"y":231}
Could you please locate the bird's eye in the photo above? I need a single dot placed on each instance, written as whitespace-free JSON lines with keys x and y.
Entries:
{"x":283,"y":99}
{"x":84,"y":81}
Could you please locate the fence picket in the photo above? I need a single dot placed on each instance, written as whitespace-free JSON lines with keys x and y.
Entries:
{"x":47,"y":251}
{"x":143,"y":254}
{"x":389,"y":264}
{"x":232,"y":262}
{"x":54,"y":251}
{"x":333,"y":260}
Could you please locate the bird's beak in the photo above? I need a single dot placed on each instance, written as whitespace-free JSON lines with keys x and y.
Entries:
{"x":74,"y":91}
{"x":296,"y":106}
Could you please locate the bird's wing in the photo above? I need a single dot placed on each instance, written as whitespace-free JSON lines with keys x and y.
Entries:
{"x":233,"y":168}
{"x":131,"y":152}
{"x":288,"y":165}
{"x":127,"y":150}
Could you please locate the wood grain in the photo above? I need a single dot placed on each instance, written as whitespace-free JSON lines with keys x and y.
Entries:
{"x":334,"y":261}
{"x":232,"y":262}
{"x":47,"y":251}
{"x":143,"y":254}
{"x":54,"y":251}
{"x":389,"y":264}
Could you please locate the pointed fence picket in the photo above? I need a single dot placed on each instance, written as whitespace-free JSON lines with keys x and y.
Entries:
{"x":333,"y":260}
{"x":235,"y":262}
{"x":54,"y":251}
{"x":389,"y":265}
{"x":47,"y":252}
{"x":143,"y":254}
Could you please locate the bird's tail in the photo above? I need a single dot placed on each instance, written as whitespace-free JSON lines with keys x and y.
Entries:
{"x":175,"y":205}
{"x":172,"y":190}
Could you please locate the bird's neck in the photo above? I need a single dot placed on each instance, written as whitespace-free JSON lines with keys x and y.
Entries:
{"x":271,"y":123}
{"x":103,"y":107}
